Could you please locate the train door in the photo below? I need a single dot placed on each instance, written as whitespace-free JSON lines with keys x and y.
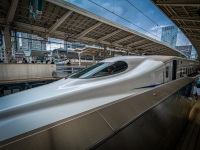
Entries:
{"x":174,"y":69}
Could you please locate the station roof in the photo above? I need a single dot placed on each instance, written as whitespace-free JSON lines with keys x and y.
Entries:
{"x":68,"y":22}
{"x":186,"y":15}
{"x":100,"y":51}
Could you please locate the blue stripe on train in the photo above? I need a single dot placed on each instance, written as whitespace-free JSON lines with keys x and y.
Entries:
{"x":154,"y":85}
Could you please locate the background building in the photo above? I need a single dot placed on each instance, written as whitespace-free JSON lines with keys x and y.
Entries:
{"x":169,"y":35}
{"x":32,"y":42}
{"x":2,"y":47}
{"x":185,"y":50}
{"x":73,"y":45}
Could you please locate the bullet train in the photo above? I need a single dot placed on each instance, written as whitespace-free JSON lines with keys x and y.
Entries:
{"x":101,"y":83}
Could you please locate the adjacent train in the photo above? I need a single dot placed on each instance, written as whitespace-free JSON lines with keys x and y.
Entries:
{"x":86,"y":89}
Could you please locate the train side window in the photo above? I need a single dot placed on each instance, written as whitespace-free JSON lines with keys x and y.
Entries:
{"x":167,"y":72}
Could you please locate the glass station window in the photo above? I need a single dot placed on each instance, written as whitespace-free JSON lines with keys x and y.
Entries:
{"x":101,"y":69}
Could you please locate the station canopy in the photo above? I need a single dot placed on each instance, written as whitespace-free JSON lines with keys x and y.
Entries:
{"x":186,"y":15}
{"x":63,"y":20}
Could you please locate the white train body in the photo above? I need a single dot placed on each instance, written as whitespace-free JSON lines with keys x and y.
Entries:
{"x":87,"y":89}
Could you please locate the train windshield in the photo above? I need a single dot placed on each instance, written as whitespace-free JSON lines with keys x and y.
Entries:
{"x":85,"y":73}
{"x":101,"y":69}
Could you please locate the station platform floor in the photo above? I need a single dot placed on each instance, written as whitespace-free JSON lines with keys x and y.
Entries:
{"x":190,"y":138}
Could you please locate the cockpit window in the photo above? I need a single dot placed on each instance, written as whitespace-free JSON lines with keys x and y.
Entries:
{"x":101,"y":69}
{"x":85,"y":72}
{"x":112,"y":69}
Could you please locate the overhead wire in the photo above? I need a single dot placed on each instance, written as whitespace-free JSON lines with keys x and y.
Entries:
{"x":141,"y":12}
{"x":148,"y":17}
{"x":121,"y":17}
{"x":130,"y":21}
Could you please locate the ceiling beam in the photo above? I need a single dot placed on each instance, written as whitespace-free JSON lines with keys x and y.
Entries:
{"x":154,"y":46}
{"x":12,"y":10}
{"x":190,"y":27}
{"x":59,"y":21}
{"x":168,"y":10}
{"x":36,"y":29}
{"x":135,"y":43}
{"x":186,"y":11}
{"x":194,"y":39}
{"x":193,"y":34}
{"x":163,"y":51}
{"x":88,"y":30}
{"x":197,"y":19}
{"x":194,"y":3}
{"x":145,"y":45}
{"x":102,"y":42}
{"x":108,"y":35}
{"x":173,"y":11}
{"x":124,"y":39}
{"x":23,"y":27}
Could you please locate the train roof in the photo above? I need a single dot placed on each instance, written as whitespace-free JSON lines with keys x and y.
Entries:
{"x":141,"y":58}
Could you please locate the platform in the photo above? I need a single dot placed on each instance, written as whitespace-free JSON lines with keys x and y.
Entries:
{"x":190,"y":138}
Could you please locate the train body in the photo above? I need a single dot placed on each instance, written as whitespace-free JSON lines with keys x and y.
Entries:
{"x":96,"y":85}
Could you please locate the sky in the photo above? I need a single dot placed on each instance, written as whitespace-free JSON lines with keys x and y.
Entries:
{"x":140,"y":15}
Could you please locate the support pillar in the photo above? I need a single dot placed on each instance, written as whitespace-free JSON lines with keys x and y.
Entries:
{"x":79,"y":59}
{"x":127,"y":52}
{"x":8,"y":44}
{"x":113,"y":53}
{"x":104,"y":52}
{"x":93,"y":58}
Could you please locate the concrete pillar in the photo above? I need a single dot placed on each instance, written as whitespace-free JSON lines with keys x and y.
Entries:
{"x":113,"y":53}
{"x":93,"y":58}
{"x":104,"y":52}
{"x":8,"y":44}
{"x":79,"y":59}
